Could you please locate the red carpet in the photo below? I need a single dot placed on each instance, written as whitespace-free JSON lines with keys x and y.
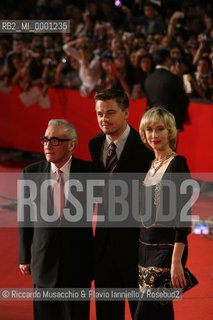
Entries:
{"x":197,"y":304}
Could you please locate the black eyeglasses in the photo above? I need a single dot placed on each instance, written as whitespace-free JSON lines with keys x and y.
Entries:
{"x":54,"y":141}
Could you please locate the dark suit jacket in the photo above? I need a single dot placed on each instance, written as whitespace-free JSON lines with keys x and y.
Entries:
{"x":58,"y":255}
{"x":124,"y":241}
{"x":166,"y":89}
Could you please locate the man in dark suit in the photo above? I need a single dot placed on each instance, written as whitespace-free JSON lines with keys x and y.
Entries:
{"x":57,"y":254}
{"x":116,"y":249}
{"x":166,"y":89}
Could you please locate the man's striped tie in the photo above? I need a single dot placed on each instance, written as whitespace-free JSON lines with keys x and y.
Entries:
{"x":111,"y":160}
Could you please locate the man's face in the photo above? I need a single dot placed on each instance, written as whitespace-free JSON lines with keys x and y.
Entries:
{"x":203,"y":67}
{"x":111,"y":119}
{"x":139,"y":42}
{"x":17,"y":46}
{"x":47,"y":42}
{"x":149,"y":12}
{"x":38,"y":54}
{"x":60,"y":154}
{"x":2,"y":51}
{"x":120,"y":61}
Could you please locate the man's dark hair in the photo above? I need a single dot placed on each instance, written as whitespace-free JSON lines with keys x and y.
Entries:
{"x":146,"y":55}
{"x":149,"y":4}
{"x":17,"y":38}
{"x":160,"y":56}
{"x":205,"y":58}
{"x":139,"y":35}
{"x":113,"y":94}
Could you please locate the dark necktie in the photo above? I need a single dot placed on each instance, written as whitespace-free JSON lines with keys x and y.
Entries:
{"x":58,"y":194}
{"x":111,"y":160}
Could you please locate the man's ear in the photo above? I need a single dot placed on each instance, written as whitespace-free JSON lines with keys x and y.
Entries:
{"x":72,"y":145}
{"x":126,"y":112}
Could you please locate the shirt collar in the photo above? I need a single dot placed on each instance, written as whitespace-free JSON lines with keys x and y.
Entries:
{"x":121,"y":140}
{"x":159,"y":66}
{"x":65,"y":168}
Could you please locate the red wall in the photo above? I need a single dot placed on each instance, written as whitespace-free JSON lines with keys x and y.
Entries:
{"x":21,"y":126}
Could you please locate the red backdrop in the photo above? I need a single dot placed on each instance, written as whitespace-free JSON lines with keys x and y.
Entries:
{"x":21,"y":126}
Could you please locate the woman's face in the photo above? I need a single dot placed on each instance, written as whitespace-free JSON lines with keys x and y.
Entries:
{"x":179,"y":68}
{"x":120,"y":61}
{"x":165,"y":42}
{"x":74,"y":63}
{"x":116,"y":44}
{"x":133,"y":58}
{"x":146,"y":64}
{"x":157,"y":135}
{"x":106,"y":64}
{"x":17,"y":64}
{"x":208,"y":22}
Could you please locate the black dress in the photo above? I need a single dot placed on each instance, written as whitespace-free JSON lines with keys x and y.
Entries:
{"x":158,"y":235}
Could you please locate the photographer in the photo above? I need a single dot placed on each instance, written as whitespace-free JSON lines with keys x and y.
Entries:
{"x":124,"y":74}
{"x":36,"y":66}
{"x":202,"y":81}
{"x":202,"y":40}
{"x":67,"y":74}
{"x":49,"y":71}
{"x":89,"y":64}
{"x":17,"y":49}
{"x":107,"y":68}
{"x":21,"y":76}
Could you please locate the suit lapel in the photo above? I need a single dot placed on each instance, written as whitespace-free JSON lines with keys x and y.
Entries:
{"x":99,"y":146}
{"x":74,"y":168}
{"x":74,"y":165}
{"x":125,"y":155}
{"x":46,"y":176}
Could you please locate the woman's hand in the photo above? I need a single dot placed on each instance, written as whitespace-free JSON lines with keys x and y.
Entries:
{"x":177,"y":275}
{"x":25,"y":269}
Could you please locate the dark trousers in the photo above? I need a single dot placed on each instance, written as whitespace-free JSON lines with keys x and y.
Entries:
{"x":152,"y":310}
{"x":108,"y":275}
{"x":61,"y":310}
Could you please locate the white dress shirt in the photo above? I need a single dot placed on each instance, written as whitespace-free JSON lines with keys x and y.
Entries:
{"x":65,"y":173}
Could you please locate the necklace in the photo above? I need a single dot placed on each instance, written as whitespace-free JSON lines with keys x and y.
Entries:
{"x":156,"y":201}
{"x":160,"y":162}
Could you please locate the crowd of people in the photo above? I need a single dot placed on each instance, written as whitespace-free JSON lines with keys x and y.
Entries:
{"x":110,"y":45}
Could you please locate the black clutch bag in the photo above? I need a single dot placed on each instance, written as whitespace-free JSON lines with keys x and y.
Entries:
{"x":190,"y":279}
{"x":154,"y":277}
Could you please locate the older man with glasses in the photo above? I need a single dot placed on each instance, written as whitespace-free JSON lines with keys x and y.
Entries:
{"x":56,"y":255}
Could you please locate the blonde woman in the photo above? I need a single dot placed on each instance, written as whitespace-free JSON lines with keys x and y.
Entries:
{"x":163,"y":239}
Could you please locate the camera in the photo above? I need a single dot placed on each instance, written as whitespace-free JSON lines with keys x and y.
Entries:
{"x":203,"y":37}
{"x":63,"y":60}
{"x":117,"y":3}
